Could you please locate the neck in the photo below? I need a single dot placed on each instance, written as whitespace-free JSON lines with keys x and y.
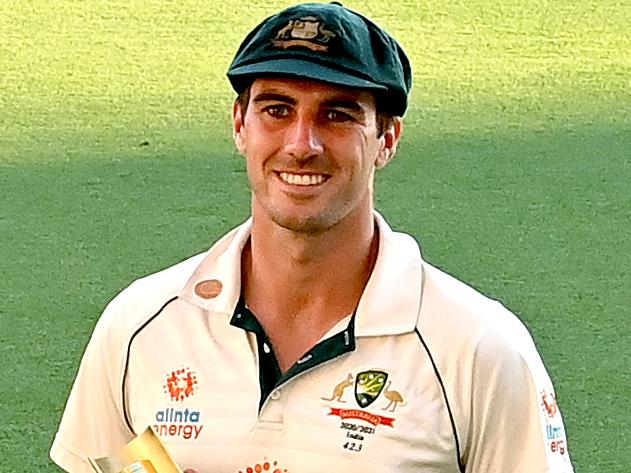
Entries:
{"x":322,"y":274}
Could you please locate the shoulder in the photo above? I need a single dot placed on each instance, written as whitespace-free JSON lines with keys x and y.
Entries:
{"x":468,"y":315}
{"x":478,"y":345}
{"x":144,"y":297}
{"x":470,"y":334}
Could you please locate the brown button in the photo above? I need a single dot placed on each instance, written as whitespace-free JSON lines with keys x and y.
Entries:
{"x":208,"y":289}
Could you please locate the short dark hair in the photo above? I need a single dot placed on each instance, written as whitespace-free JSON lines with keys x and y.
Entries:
{"x":384,"y":119}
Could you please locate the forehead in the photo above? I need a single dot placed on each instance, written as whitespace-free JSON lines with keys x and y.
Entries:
{"x":311,"y":90}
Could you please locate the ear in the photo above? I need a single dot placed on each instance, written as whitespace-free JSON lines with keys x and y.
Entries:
{"x":237,"y":127}
{"x":390,"y":140}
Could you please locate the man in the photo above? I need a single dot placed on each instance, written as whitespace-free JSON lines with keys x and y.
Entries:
{"x":314,"y":338}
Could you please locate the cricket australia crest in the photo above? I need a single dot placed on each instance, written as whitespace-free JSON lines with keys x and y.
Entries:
{"x":308,"y":32}
{"x":368,"y":386}
{"x":357,"y":423}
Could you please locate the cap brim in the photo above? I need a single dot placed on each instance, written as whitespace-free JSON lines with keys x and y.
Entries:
{"x":299,"y":69}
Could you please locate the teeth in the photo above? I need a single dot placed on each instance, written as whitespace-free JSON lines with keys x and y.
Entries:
{"x":302,"y":179}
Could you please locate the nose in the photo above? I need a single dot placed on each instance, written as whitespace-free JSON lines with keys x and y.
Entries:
{"x":302,"y":140}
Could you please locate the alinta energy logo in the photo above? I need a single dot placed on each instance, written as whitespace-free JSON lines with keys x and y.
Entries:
{"x":555,"y":433}
{"x":358,"y":423}
{"x":181,"y":422}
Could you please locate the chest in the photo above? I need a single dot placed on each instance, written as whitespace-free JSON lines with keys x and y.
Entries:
{"x":378,"y":406}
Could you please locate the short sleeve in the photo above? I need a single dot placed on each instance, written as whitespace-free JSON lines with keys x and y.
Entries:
{"x":515,"y":423}
{"x":93,"y":422}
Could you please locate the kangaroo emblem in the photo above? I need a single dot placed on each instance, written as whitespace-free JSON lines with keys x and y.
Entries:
{"x":338,"y":391}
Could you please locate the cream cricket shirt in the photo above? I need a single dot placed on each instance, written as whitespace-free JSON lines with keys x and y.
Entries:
{"x":427,"y":376}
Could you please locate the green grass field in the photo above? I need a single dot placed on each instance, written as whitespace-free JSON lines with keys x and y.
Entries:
{"x":515,"y":175}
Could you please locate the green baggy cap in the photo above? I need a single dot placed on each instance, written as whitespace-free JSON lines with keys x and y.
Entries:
{"x":330,"y":43}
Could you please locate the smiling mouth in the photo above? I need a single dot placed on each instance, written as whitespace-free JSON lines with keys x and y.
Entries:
{"x":302,"y":179}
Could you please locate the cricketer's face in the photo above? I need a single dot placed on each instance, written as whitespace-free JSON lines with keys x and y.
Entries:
{"x":311,"y":150}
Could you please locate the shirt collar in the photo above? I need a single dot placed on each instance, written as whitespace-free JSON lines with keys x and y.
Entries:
{"x":391,"y":301}
{"x":389,"y":305}
{"x":222,"y":265}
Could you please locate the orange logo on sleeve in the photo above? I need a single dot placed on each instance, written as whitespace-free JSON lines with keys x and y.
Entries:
{"x":549,"y":402}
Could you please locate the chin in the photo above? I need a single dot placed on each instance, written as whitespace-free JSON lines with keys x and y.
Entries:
{"x":308,"y":224}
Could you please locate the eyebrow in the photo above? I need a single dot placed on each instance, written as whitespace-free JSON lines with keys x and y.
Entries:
{"x":273,"y":97}
{"x":348,"y":104}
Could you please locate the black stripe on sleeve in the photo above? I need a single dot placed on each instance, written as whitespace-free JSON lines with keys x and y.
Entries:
{"x":461,"y":467}
{"x":131,"y":340}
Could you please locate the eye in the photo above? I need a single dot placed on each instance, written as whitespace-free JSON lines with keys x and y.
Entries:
{"x":277,"y":111}
{"x":338,"y":116}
